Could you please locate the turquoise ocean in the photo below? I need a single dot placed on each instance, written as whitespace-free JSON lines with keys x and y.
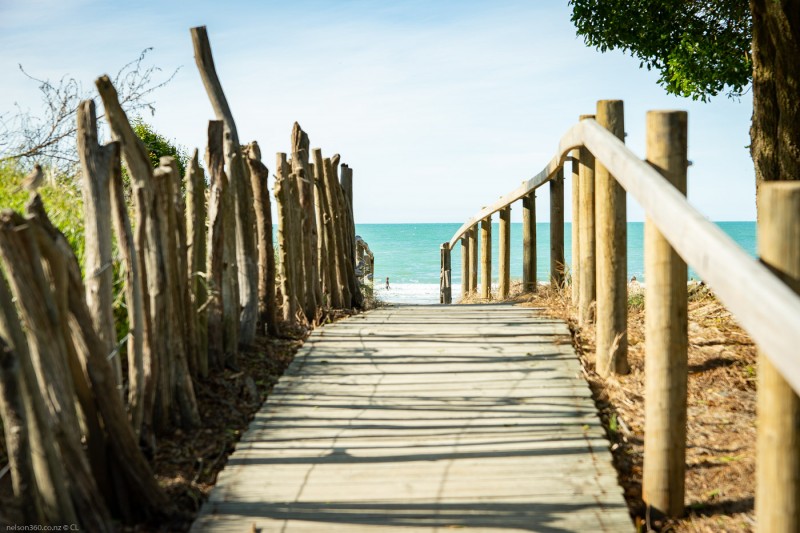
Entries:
{"x":408,"y":254}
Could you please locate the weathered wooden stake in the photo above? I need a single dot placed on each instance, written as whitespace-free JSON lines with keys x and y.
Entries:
{"x":259,"y":178}
{"x":146,"y":498}
{"x":334,"y":294}
{"x":215,"y":259}
{"x":778,"y":444}
{"x":486,"y":258}
{"x":529,"y":242}
{"x":587,"y":282}
{"x":96,"y":162}
{"x":445,"y":289}
{"x":557,"y":263}
{"x":17,"y":437}
{"x":576,"y":217}
{"x":473,"y":259}
{"x":62,"y":372}
{"x":350,"y":229}
{"x":244,"y":219}
{"x":53,"y":499}
{"x":286,"y":259}
{"x":185,"y":304}
{"x":612,"y":255}
{"x":179,"y":381}
{"x":343,"y":226}
{"x":666,"y":327}
{"x":148,"y":250}
{"x":333,"y":191}
{"x":505,"y":252}
{"x":322,"y":233}
{"x":195,"y":185}
{"x":140,"y":359}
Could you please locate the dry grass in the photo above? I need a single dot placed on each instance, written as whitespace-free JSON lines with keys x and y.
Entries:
{"x":720,"y":458}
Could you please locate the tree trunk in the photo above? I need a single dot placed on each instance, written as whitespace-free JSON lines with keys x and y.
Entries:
{"x":775,"y":130}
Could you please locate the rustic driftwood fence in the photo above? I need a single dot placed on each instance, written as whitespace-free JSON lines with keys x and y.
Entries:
{"x":199,"y":283}
{"x":763,"y":295}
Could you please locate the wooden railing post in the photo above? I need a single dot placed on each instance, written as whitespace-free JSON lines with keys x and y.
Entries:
{"x":445,"y":290}
{"x":465,"y":273}
{"x":576,"y":239}
{"x":486,"y":258}
{"x":587,"y":283}
{"x":612,"y":256}
{"x":473,"y":259}
{"x":665,"y":331}
{"x":778,"y":407}
{"x":557,"y":229}
{"x":505,"y":252}
{"x":529,"y":242}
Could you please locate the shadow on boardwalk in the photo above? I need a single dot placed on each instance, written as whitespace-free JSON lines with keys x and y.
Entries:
{"x":420,"y":418}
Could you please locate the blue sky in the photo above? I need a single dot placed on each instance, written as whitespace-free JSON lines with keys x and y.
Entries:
{"x":439,"y":107}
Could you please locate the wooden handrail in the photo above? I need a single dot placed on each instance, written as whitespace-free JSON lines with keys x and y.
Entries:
{"x":764,"y":305}
{"x":535,"y":182}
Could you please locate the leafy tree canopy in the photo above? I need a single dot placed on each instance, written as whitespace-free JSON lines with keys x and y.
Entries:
{"x":699,"y":47}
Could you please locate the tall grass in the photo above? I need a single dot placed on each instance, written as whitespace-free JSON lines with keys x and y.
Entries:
{"x":61,"y":196}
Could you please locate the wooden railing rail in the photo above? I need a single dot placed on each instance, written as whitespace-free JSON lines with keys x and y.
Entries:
{"x":763,"y":304}
{"x":760,"y":293}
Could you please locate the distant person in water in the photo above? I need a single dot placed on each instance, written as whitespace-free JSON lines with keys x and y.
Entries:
{"x":387,"y":284}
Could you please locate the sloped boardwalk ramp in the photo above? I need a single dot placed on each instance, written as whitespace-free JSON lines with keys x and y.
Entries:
{"x":425,"y":418}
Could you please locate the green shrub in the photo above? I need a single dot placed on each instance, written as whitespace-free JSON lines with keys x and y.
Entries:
{"x":158,"y":146}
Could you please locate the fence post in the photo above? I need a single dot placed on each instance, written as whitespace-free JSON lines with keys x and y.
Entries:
{"x":505,"y":252}
{"x":557,"y":229}
{"x":473,"y":259}
{"x":665,"y":331}
{"x":778,"y":407}
{"x":587,"y":283}
{"x":576,"y":239}
{"x":612,"y":256}
{"x":486,"y":258}
{"x":97,"y":168}
{"x":465,"y":272}
{"x":445,"y":291}
{"x":529,"y":242}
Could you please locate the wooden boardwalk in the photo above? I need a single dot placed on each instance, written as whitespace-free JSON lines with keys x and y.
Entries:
{"x":425,"y":418}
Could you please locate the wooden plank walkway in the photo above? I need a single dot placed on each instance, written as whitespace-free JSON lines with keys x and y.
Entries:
{"x":425,"y":418}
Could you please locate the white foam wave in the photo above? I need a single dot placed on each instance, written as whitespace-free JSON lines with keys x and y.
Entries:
{"x":413,"y":293}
